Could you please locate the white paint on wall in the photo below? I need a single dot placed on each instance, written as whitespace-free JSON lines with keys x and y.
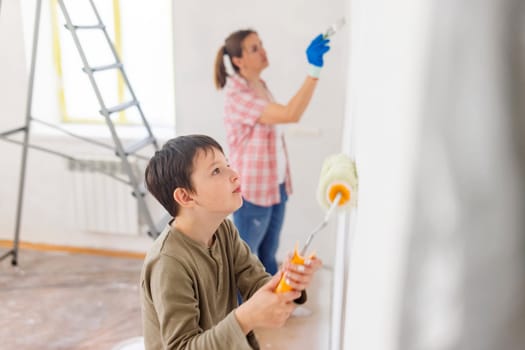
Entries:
{"x":387,"y":56}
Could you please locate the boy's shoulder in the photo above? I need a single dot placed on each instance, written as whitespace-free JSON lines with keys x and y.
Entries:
{"x":158,"y":245}
{"x":175,"y":244}
{"x":169,"y":243}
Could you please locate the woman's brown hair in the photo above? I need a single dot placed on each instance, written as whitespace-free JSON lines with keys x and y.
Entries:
{"x":233,"y":48}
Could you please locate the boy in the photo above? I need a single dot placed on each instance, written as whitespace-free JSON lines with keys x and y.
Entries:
{"x":192,"y":273}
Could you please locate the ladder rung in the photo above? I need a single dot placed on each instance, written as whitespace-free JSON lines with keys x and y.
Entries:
{"x":139,"y":145}
{"x":121,"y":106}
{"x":93,"y":26}
{"x":101,"y":68}
{"x":14,"y":131}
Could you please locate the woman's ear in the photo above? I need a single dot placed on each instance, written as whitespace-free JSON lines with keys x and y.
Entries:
{"x":183,"y":197}
{"x":237,"y":61}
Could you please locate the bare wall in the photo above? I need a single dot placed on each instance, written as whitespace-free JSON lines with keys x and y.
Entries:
{"x":200,"y":27}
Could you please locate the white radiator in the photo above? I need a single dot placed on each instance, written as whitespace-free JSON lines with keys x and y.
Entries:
{"x":103,"y":204}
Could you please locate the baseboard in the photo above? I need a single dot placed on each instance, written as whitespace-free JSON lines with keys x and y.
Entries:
{"x":73,"y":250}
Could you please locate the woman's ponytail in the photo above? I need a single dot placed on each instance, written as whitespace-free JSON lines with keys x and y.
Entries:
{"x":220,"y":69}
{"x":233,"y":48}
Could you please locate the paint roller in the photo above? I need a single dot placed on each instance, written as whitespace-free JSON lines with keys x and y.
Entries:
{"x":337,"y":188}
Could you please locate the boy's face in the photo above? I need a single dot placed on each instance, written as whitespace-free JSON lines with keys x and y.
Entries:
{"x":217,"y":186}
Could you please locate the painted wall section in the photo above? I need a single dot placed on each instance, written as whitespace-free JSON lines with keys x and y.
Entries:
{"x":384,"y":94}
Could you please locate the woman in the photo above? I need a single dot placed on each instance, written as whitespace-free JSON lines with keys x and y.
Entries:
{"x":257,"y":148}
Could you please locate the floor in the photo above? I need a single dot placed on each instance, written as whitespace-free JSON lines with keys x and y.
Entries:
{"x":56,"y":300}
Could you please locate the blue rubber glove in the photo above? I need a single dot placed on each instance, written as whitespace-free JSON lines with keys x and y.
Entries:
{"x":315,"y":51}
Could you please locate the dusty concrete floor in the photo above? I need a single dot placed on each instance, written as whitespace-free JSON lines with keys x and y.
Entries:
{"x":69,"y":301}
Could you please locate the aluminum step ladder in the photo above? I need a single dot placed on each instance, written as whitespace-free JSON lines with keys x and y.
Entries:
{"x":132,"y":179}
{"x":121,"y":150}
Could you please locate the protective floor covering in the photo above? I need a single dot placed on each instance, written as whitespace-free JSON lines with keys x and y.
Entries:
{"x":77,"y":302}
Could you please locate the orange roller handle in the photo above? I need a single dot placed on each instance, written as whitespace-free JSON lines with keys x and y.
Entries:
{"x":297,"y":259}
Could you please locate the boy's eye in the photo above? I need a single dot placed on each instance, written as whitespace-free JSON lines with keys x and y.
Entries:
{"x":215,"y":171}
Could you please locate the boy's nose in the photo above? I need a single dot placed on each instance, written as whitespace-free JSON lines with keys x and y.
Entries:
{"x":234,"y":176}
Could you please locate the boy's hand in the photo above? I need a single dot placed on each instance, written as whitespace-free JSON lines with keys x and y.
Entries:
{"x":265,"y":308}
{"x":299,"y":276}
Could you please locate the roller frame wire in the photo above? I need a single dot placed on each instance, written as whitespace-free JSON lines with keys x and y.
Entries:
{"x":335,"y":203}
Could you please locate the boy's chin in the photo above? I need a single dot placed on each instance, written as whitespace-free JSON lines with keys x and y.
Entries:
{"x":240,"y":205}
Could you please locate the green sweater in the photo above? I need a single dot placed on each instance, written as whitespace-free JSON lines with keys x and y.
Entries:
{"x":189,"y":291}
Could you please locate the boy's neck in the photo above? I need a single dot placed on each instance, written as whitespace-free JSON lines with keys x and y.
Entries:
{"x":198,"y":229}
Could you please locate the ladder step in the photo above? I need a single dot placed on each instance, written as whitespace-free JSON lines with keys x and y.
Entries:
{"x":121,"y":106}
{"x":139,"y":190}
{"x":93,"y":26}
{"x":102,"y":68}
{"x":139,"y":145}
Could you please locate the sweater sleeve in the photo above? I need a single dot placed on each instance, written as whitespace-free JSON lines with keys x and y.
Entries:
{"x":249,"y":271}
{"x":178,"y":312}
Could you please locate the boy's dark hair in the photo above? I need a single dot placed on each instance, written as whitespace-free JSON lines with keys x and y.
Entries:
{"x":171,"y":167}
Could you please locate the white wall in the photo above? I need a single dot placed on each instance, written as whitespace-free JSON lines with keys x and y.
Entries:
{"x":200,"y":27}
{"x":387,"y":68}
{"x":465,"y":280}
{"x":436,"y":255}
{"x":286,"y":28}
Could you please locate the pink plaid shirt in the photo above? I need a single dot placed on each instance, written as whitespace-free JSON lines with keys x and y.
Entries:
{"x":252,"y":146}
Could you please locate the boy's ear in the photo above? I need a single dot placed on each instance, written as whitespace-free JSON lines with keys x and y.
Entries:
{"x":183,"y":197}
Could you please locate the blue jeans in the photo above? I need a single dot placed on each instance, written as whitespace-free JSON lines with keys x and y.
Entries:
{"x":260,"y":227}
